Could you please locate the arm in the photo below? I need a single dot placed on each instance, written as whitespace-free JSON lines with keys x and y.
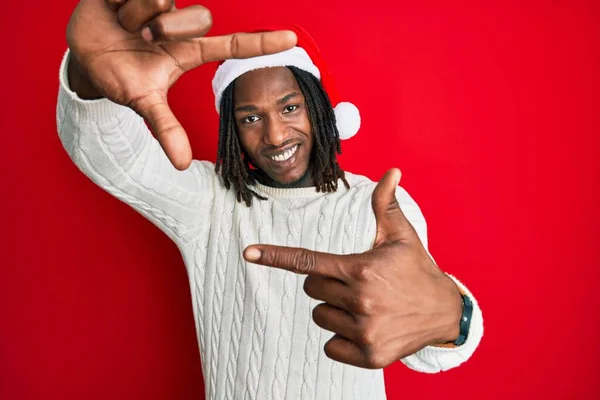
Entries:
{"x":114,"y":64}
{"x":389,"y":303}
{"x":432,"y":359}
{"x":111,"y":145}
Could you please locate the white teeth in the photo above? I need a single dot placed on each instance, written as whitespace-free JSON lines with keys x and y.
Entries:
{"x":286,"y":155}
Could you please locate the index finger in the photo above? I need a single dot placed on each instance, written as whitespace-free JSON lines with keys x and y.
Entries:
{"x":238,"y":45}
{"x":299,"y":260}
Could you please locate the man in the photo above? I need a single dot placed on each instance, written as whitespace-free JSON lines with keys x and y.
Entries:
{"x":281,"y":246}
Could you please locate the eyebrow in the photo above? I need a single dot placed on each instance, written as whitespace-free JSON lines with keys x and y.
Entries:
{"x":251,"y":107}
{"x":287,"y":98}
{"x":248,"y":108}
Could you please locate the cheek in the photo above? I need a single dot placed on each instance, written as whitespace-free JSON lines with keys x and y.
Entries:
{"x":302,"y":123}
{"x":249,"y":139}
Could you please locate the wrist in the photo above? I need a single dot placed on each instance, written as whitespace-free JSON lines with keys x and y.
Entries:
{"x":79,"y":81}
{"x":452,"y":331}
{"x":452,"y":314}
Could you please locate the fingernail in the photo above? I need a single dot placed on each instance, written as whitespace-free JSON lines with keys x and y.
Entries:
{"x":252,"y":254}
{"x":398,"y":175}
{"x":147,"y":34}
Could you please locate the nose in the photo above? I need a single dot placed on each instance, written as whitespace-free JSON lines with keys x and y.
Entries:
{"x":275,"y":132}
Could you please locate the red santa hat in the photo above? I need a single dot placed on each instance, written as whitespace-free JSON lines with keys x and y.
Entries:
{"x":305,"y":56}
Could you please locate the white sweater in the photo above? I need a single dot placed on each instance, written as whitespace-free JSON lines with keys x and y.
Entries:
{"x":253,"y":323}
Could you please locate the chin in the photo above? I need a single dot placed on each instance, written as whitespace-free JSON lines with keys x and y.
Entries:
{"x":295,"y":179}
{"x":288,"y":180}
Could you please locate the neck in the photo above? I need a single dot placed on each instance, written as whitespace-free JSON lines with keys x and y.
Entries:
{"x":305,"y":181}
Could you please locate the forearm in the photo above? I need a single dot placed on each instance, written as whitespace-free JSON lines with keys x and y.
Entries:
{"x":438,"y":358}
{"x":111,"y":145}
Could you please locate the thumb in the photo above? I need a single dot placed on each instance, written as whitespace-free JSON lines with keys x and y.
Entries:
{"x":391,"y":222}
{"x":153,"y":107}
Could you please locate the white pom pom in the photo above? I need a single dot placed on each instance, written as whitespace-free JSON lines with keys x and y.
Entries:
{"x":347,"y":119}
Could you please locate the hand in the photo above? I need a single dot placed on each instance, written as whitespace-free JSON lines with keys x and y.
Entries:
{"x":133,"y":51}
{"x":384,"y":304}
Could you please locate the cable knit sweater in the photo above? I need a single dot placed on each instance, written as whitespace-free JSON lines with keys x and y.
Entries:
{"x":253,"y":323}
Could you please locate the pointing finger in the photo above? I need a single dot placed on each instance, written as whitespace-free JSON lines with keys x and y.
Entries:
{"x":298,"y":260}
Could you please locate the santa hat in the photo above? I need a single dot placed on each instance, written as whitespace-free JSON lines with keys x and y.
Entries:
{"x":305,"y":56}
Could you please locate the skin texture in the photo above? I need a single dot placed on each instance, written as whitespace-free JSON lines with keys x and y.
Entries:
{"x":271,"y":117}
{"x":383,"y":304}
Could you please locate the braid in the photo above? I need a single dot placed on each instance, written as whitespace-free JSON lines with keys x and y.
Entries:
{"x":232,"y":161}
{"x":235,"y":166}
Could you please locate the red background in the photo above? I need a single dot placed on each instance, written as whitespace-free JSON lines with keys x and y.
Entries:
{"x":492,"y":113}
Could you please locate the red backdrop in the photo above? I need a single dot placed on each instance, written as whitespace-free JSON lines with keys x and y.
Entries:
{"x":491,"y":111}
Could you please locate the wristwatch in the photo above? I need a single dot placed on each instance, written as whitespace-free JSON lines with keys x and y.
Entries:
{"x":465,"y":320}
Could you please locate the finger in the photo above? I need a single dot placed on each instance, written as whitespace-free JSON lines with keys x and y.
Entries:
{"x":239,"y":45}
{"x":115,"y":4}
{"x":331,"y":291}
{"x":300,"y":261}
{"x":334,"y":320}
{"x":343,"y":350}
{"x":391,"y":222}
{"x":185,"y":23}
{"x":134,"y":14}
{"x":168,"y":131}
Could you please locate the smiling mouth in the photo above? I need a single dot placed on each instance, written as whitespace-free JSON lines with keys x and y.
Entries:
{"x":285,"y":155}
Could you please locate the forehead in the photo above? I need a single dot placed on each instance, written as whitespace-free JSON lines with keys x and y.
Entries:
{"x":264,"y":83}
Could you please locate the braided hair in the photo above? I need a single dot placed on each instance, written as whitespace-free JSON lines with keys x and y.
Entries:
{"x":235,"y":165}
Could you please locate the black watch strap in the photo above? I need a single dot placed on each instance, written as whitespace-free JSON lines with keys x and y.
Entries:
{"x":465,"y":320}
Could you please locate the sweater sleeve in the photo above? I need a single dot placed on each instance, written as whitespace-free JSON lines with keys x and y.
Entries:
{"x":112,"y":146}
{"x":432,"y":359}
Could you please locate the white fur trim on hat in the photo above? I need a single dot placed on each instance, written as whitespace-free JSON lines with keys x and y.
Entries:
{"x":232,"y":69}
{"x":347,"y":118}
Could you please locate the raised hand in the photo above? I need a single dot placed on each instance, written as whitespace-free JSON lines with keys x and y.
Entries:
{"x":382,"y":305}
{"x":133,"y":51}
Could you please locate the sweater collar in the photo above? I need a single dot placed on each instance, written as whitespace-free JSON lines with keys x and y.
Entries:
{"x":296,"y":192}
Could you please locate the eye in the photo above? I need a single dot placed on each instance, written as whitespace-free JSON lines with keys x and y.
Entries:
{"x":250,"y":119}
{"x":290,"y":109}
